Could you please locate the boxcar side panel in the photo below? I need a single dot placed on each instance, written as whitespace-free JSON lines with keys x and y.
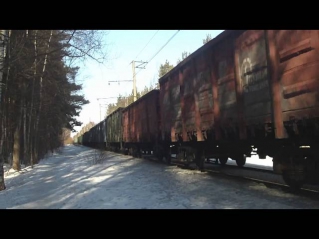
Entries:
{"x":152,"y":106}
{"x":298,"y":52}
{"x":189,"y":111}
{"x":175,"y":108}
{"x":140,"y":119}
{"x":114,"y":127}
{"x":226,"y":109}
{"x":126,"y":129}
{"x":204,"y":95}
{"x":170,"y":108}
{"x":252,"y":74}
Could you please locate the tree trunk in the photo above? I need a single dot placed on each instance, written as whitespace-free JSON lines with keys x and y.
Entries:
{"x":5,"y":49}
{"x":2,"y":185}
{"x":37,"y":154}
{"x":30,"y":138}
{"x":24,"y":113}
{"x":17,"y":141}
{"x":16,"y":149}
{"x":2,"y":49}
{"x":25,"y":144}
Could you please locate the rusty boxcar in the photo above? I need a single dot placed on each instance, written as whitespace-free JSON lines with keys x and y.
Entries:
{"x":243,"y":89}
{"x":87,"y":138}
{"x":98,"y":137}
{"x":198,"y":97}
{"x":247,"y":89}
{"x":101,"y":134}
{"x":141,"y":124}
{"x":114,"y":135}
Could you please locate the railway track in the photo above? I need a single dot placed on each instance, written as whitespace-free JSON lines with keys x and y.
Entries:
{"x":307,"y":190}
{"x":266,"y":177}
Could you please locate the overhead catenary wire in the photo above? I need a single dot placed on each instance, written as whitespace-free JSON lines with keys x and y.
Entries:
{"x":163,"y":47}
{"x":147,"y":44}
{"x":159,"y":50}
{"x":156,"y":52}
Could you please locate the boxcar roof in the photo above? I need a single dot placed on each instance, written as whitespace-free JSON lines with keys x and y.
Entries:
{"x":115,"y":111}
{"x":140,"y":99}
{"x":200,"y":50}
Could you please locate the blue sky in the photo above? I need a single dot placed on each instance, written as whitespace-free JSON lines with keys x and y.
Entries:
{"x":124,"y":46}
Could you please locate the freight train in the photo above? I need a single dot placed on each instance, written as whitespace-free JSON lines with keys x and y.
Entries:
{"x":243,"y":90}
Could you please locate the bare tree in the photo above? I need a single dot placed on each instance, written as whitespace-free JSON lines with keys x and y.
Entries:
{"x":207,"y":39}
{"x":39,"y":98}
{"x":185,"y":54}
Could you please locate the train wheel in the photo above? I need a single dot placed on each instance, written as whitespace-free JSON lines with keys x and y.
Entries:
{"x":293,"y":178}
{"x":158,"y":152}
{"x":200,"y":160}
{"x":125,"y":151}
{"x":190,"y":157}
{"x":187,"y":165}
{"x":134,"y":153}
{"x":241,"y":160}
{"x":312,"y":169}
{"x":160,"y":156}
{"x":167,"y":158}
{"x":139,"y":154}
{"x":223,"y":160}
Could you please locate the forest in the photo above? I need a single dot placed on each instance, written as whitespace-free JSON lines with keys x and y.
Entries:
{"x":39,"y":95}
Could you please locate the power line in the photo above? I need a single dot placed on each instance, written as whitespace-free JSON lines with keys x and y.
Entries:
{"x":147,"y":44}
{"x":164,"y":45}
{"x":159,"y":50}
{"x":156,"y":52}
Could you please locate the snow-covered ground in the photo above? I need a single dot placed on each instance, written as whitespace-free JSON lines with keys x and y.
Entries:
{"x":70,"y":180}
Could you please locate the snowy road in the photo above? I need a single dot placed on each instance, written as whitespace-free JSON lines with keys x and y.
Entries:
{"x":71,"y":181}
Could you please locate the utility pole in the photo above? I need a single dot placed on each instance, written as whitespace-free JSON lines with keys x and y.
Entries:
{"x":134,"y":80}
{"x":100,"y":110}
{"x":134,"y":75}
{"x":100,"y":105}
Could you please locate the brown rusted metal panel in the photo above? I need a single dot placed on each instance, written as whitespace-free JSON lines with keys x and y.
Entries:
{"x":114,"y":127}
{"x":224,"y":88}
{"x":164,"y":104}
{"x":175,"y":107}
{"x":220,"y":38}
{"x":253,"y":88}
{"x":214,"y":79}
{"x":171,"y":125}
{"x":253,"y":77}
{"x":203,"y":86}
{"x":187,"y":102}
{"x":141,"y":119}
{"x":273,"y":58}
{"x":203,"y":97}
{"x":198,"y":91}
{"x":181,"y":82}
{"x":298,"y":72}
